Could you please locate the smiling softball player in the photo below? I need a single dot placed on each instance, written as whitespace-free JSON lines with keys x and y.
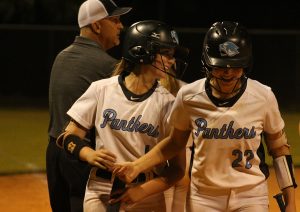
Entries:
{"x":129,"y":112}
{"x":228,"y":114}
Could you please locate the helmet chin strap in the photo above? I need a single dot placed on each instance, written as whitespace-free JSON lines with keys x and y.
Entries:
{"x":163,"y":70}
{"x":234,"y":90}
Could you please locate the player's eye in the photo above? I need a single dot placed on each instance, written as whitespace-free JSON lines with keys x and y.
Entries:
{"x":169,"y":53}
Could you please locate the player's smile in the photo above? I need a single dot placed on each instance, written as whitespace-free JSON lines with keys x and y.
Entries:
{"x":228,"y":80}
{"x":227,"y":77}
{"x":163,"y":62}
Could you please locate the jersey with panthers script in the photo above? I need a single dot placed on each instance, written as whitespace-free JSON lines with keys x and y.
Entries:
{"x":228,"y":146}
{"x":126,"y":124}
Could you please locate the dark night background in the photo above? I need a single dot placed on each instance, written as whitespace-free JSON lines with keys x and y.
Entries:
{"x":32,"y":32}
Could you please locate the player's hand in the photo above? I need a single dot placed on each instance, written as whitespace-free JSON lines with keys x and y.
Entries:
{"x":126,"y":171}
{"x":130,"y":196}
{"x":100,"y":158}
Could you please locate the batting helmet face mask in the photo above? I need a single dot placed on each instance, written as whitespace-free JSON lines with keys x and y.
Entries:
{"x":144,"y":39}
{"x":227,"y":45}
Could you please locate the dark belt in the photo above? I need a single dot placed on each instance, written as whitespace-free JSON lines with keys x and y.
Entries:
{"x":108,"y":175}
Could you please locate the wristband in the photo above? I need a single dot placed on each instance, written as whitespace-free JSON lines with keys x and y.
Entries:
{"x":73,"y":144}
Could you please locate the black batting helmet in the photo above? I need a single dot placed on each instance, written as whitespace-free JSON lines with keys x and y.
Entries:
{"x":227,"y":44}
{"x":144,"y":39}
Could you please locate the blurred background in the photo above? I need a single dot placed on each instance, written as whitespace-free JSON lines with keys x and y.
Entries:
{"x":32,"y":32}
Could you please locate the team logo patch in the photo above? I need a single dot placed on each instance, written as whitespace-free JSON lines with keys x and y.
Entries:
{"x":228,"y":49}
{"x":174,"y":37}
{"x":155,"y":35}
{"x":71,"y":147}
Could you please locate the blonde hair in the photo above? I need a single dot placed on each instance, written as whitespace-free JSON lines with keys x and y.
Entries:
{"x":124,"y":65}
{"x":169,"y":82}
{"x":119,"y":67}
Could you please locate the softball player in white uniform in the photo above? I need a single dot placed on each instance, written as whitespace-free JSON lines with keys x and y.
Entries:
{"x":129,"y":112}
{"x":227,"y":114}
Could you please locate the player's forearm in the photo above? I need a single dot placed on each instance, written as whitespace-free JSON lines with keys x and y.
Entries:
{"x":168,"y":178}
{"x":160,"y":153}
{"x":170,"y":175}
{"x":139,"y":192}
{"x":164,"y":150}
{"x":160,"y":184}
{"x":155,"y":186}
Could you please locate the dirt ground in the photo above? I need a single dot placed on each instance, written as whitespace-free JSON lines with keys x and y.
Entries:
{"x":24,"y":193}
{"x":28,"y":193}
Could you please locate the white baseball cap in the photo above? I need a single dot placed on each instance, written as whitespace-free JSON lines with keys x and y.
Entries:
{"x":94,"y":10}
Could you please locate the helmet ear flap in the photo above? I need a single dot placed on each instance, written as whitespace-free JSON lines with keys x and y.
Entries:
{"x":138,"y":52}
{"x":142,"y":54}
{"x":153,"y":49}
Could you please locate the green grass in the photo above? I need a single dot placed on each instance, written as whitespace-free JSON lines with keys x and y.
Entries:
{"x":24,"y":139}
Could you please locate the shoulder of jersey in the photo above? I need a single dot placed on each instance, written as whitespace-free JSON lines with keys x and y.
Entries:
{"x":257,"y":89}
{"x":193,"y":88}
{"x":106,"y":82}
{"x":161,"y":89}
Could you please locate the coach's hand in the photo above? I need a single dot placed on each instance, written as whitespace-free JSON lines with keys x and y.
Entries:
{"x":100,"y":158}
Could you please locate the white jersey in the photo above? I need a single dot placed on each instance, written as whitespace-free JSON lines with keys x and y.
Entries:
{"x":126,"y":124}
{"x":228,"y":149}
